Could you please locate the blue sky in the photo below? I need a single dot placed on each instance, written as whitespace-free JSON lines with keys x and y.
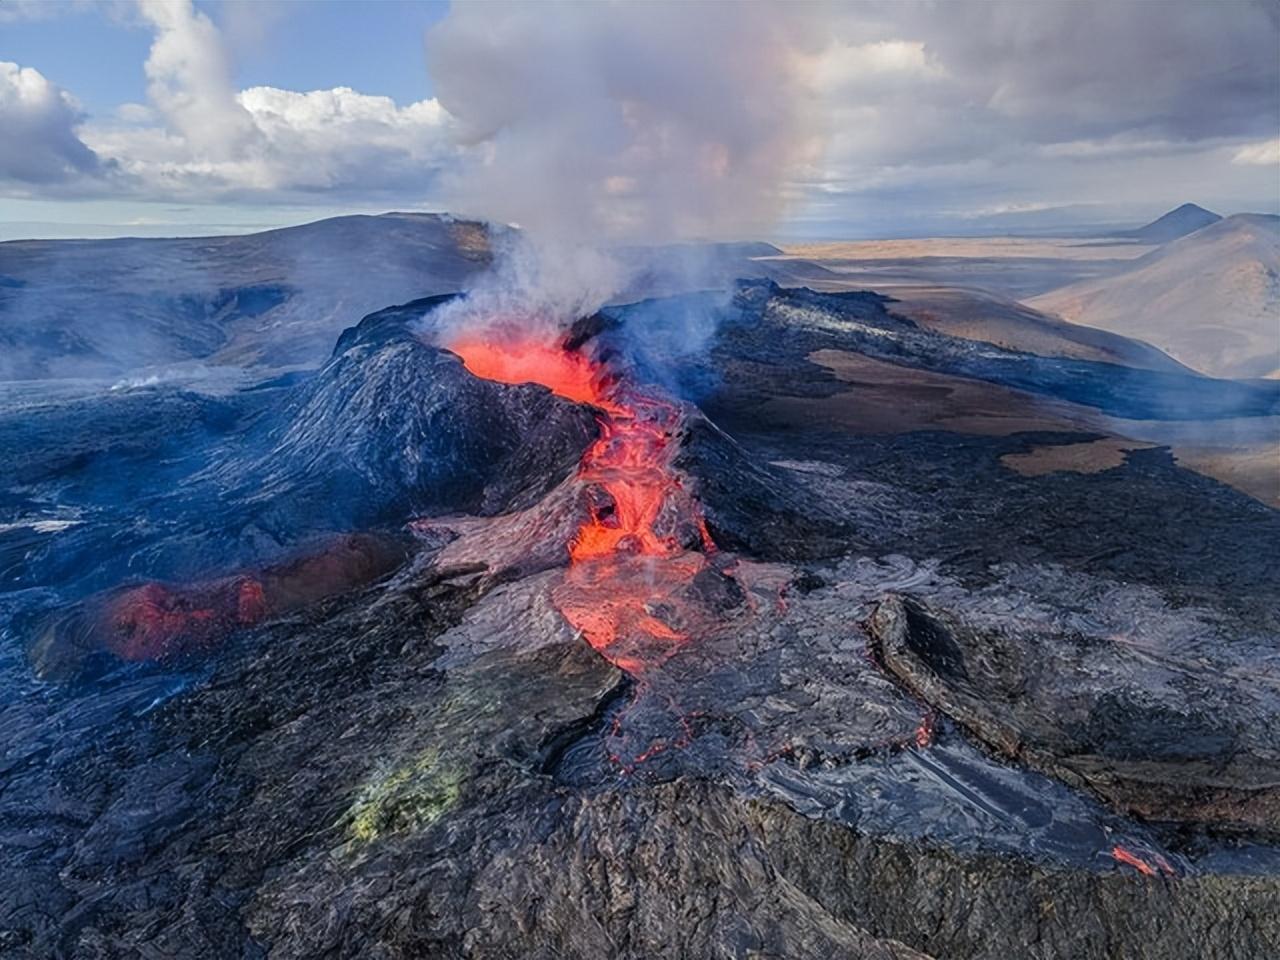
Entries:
{"x":650,"y":121}
{"x":375,"y":46}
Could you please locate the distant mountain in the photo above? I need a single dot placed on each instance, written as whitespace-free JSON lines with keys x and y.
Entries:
{"x":1211,"y":300}
{"x":91,"y":308}
{"x":990,"y":318}
{"x":1179,"y":222}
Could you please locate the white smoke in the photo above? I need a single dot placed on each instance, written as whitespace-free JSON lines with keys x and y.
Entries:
{"x":596,"y":124}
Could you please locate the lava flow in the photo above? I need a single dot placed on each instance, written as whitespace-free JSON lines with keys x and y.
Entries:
{"x":644,"y":540}
{"x":157,"y":621}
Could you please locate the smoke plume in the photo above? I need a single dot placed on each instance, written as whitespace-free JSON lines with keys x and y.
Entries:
{"x":606,"y":123}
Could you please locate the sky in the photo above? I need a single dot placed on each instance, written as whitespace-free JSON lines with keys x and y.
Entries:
{"x":644,"y":122}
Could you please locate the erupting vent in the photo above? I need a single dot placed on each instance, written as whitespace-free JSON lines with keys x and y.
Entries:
{"x":566,"y":374}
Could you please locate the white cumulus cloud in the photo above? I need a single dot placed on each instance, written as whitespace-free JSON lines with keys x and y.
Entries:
{"x":189,"y":80}
{"x":293,"y":143}
{"x":201,"y":139}
{"x":39,"y":144}
{"x":1264,"y":154}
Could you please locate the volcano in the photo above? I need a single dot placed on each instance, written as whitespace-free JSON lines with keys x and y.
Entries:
{"x":476,"y":642}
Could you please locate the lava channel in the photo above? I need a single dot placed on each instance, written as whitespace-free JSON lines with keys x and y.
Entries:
{"x":634,"y":558}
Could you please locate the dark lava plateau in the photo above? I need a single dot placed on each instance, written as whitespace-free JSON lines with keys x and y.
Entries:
{"x":468,"y":647}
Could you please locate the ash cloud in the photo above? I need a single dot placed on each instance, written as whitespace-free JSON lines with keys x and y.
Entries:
{"x":535,"y":289}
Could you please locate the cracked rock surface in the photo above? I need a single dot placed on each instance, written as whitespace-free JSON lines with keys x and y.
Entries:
{"x":931,"y":708}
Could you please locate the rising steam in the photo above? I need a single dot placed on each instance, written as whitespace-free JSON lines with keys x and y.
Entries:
{"x":599,"y":124}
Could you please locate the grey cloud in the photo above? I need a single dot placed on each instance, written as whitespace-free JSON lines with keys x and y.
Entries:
{"x":1127,"y":106}
{"x":1067,"y":69}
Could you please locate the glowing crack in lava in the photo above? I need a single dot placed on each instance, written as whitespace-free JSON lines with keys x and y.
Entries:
{"x":644,"y":540}
{"x":156,"y":621}
{"x":1152,"y":865}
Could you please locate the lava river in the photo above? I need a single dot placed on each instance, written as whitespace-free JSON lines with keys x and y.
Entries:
{"x":644,"y":541}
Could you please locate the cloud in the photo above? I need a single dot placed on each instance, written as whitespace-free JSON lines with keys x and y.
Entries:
{"x":349,"y":137}
{"x":40,"y":144}
{"x":1125,"y":106}
{"x":858,"y":66}
{"x":1264,"y":154}
{"x":189,"y":81}
{"x":1060,"y":72}
{"x":201,"y":139}
{"x":1180,"y":69}
{"x":656,"y":120}
{"x":296,"y":143}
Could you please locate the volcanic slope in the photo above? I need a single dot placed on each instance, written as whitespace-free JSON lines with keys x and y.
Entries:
{"x":438,"y":762}
{"x":105,"y":308}
{"x":990,"y":318}
{"x":1211,"y":300}
{"x":149,"y":310}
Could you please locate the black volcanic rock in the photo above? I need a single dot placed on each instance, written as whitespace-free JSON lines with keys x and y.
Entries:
{"x":387,"y":781}
{"x":392,"y":426}
{"x":1156,"y":732}
{"x":185,"y":485}
{"x":753,"y":508}
{"x":764,"y":334}
{"x":439,"y":765}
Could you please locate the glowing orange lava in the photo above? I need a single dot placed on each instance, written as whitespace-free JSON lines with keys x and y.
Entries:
{"x":566,"y":374}
{"x":636,"y":553}
{"x":1123,"y":855}
{"x":153,"y":621}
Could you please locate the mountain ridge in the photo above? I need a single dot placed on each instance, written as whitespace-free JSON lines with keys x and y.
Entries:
{"x":1178,"y":222}
{"x":1211,"y":299}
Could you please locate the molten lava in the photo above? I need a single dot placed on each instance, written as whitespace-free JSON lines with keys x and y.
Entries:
{"x":155,"y":621}
{"x":634,"y":557}
{"x":152,"y":621}
{"x":569,"y":375}
{"x":1151,"y":866}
